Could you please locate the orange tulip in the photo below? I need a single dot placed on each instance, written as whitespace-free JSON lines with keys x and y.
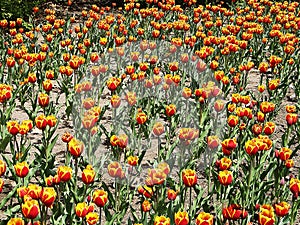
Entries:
{"x":48,"y":196}
{"x":21,"y":169}
{"x":171,"y":194}
{"x":64,"y":173}
{"x":34,"y":191}
{"x":295,"y":187}
{"x":158,"y":129}
{"x":282,"y":208}
{"x":30,"y":209}
{"x":88,"y":175}
{"x":141,"y":117}
{"x":115,"y":101}
{"x":41,"y":122}
{"x":13,"y":127}
{"x":269,"y":128}
{"x":1,"y":184}
{"x":291,"y":118}
{"x":170,"y":110}
{"x":133,"y":160}
{"x":115,"y":170}
{"x":204,"y":219}
{"x":75,"y":147}
{"x":146,"y":206}
{"x":189,"y":177}
{"x":2,"y":167}
{"x":181,"y":218}
{"x":225,"y":177}
{"x":16,"y":221}
{"x":81,"y":209}
{"x":92,"y":218}
{"x":161,"y":220}
{"x":266,"y":215}
{"x":100,"y":197}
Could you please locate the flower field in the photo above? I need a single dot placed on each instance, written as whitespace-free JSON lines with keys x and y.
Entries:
{"x":154,"y":113}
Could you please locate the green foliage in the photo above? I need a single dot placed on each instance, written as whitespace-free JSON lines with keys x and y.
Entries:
{"x":12,"y":9}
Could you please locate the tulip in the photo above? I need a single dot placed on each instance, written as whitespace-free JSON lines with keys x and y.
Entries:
{"x":146,"y":191}
{"x":41,"y":122}
{"x":225,"y":177}
{"x":225,"y":163}
{"x":133,"y":160}
{"x":13,"y":127}
{"x":113,"y":83}
{"x":284,"y":153}
{"x":256,"y":129}
{"x":131,"y":98}
{"x":233,"y":212}
{"x":34,"y":191}
{"x":158,"y":129}
{"x":100,"y":197}
{"x":43,"y":99}
{"x":1,"y":184}
{"x":21,"y":169}
{"x":204,"y":219}
{"x":115,"y":170}
{"x":186,"y":93}
{"x":291,"y":118}
{"x":155,"y":177}
{"x":88,"y":175}
{"x":48,"y":196}
{"x":115,"y":101}
{"x":173,"y":66}
{"x":141,"y":118}
{"x":219,"y":105}
{"x":161,"y":220}
{"x":213,"y":142}
{"x":30,"y":209}
{"x":266,"y":215}
{"x":2,"y":167}
{"x":75,"y":147}
{"x":263,"y":67}
{"x":51,"y":120}
{"x":251,"y":147}
{"x":232,"y":120}
{"x":295,"y":187}
{"x":171,"y":194}
{"x":189,"y":177}
{"x":64,"y":173}
{"x":289,"y":163}
{"x":81,"y":209}
{"x":269,"y":128}
{"x":170,"y":110}
{"x":282,"y":209}
{"x":88,"y":103}
{"x":146,"y":206}
{"x":290,"y":109}
{"x":67,"y":137}
{"x":92,"y":218}
{"x":16,"y":221}
{"x":273,"y":84}
{"x":181,"y":218}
